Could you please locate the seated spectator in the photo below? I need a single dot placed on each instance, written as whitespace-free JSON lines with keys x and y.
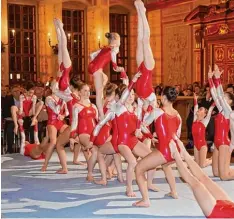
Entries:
{"x":178,"y":90}
{"x":12,"y":100}
{"x":230,"y":88}
{"x":158,"y":90}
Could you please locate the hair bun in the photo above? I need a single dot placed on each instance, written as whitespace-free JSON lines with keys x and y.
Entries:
{"x":107,"y":35}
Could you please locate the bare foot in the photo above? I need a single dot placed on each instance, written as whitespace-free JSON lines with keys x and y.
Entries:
{"x":114,"y":172}
{"x":101,"y":182}
{"x":153,"y":188}
{"x":130,"y":193}
{"x":61,"y":171}
{"x":173,"y":195}
{"x":109,"y":174}
{"x":120,"y":179}
{"x":141,"y":203}
{"x":44,"y":168}
{"x":79,"y":163}
{"x":89,"y":178}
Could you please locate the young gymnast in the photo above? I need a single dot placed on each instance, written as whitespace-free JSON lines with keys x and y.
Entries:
{"x":99,"y":60}
{"x":221,"y":155}
{"x":145,"y":63}
{"x":167,"y":121}
{"x":213,"y":201}
{"x":57,"y":111}
{"x":200,"y":121}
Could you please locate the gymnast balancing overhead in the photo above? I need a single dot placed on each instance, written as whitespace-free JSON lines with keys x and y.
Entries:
{"x":99,"y":60}
{"x":200,"y":121}
{"x":145,"y":63}
{"x":111,"y":147}
{"x":222,"y":151}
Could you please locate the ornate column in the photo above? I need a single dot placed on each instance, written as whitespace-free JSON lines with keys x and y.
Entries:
{"x":198,"y":48}
{"x":4,"y":39}
{"x":48,"y":61}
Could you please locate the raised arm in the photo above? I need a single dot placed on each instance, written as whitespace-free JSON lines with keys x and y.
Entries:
{"x":195,"y":107}
{"x":49,"y":102}
{"x":116,"y":68}
{"x":94,"y":54}
{"x":21,"y":99}
{"x":74,"y":123}
{"x":213,"y":90}
{"x":108,"y":116}
{"x":127,"y":91}
{"x":225,"y":106}
{"x":152,"y":116}
{"x":206,"y":120}
{"x":34,"y":100}
{"x":66,"y":109}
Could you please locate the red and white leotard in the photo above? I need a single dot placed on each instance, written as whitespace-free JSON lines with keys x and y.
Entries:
{"x":105,"y":132}
{"x":64,"y":80}
{"x":27,"y":105}
{"x":199,"y":127}
{"x":144,"y":87}
{"x":123,"y":123}
{"x":223,"y":209}
{"x":222,"y":123}
{"x":54,"y":109}
{"x":165,"y":127}
{"x":102,"y":57}
{"x":84,"y":119}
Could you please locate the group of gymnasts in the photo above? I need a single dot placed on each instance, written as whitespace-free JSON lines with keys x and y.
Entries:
{"x":118,"y":127}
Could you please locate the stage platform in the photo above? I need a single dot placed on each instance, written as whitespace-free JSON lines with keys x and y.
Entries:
{"x":29,"y":193}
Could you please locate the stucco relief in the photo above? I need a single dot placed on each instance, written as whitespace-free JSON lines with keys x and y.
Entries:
{"x":176,"y":54}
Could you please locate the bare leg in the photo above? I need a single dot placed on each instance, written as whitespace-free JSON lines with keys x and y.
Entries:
{"x":22,"y":133}
{"x":196,"y":155}
{"x":139,"y":51}
{"x":149,"y":162}
{"x":171,"y":181}
{"x":202,"y":157}
{"x":215,"y":162}
{"x":199,"y":190}
{"x":14,"y":111}
{"x":225,"y":172}
{"x":129,"y":157}
{"x":142,"y":150}
{"x":76,"y":154}
{"x":65,"y":55}
{"x":147,"y":142}
{"x":110,"y":166}
{"x":60,"y":57}
{"x":36,"y":139}
{"x":62,"y":140}
{"x":98,"y":83}
{"x":52,"y":132}
{"x":37,"y":151}
{"x":148,"y":54}
{"x":91,"y":163}
{"x":118,"y":165}
{"x":211,"y":186}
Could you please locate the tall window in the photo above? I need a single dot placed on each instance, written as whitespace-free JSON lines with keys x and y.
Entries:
{"x":74,"y":27}
{"x":119,"y":24}
{"x":22,"y":43}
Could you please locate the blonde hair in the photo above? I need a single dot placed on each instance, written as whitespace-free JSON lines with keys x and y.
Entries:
{"x":112,"y":36}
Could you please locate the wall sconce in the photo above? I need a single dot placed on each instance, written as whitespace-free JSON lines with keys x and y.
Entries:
{"x":69,"y":36}
{"x":54,"y":47}
{"x":99,"y":42}
{"x":3,"y":45}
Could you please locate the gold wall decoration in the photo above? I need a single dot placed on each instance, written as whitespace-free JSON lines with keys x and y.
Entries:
{"x":223,"y":29}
